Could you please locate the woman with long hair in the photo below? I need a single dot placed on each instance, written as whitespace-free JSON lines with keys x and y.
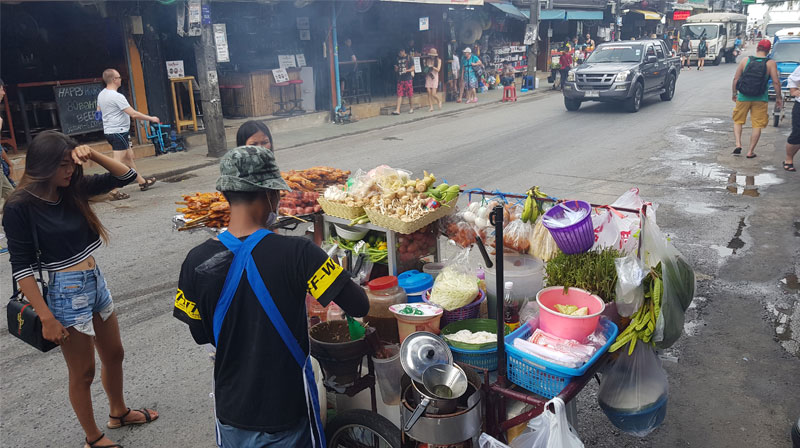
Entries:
{"x":254,"y":133}
{"x":52,"y":200}
{"x":433,"y":65}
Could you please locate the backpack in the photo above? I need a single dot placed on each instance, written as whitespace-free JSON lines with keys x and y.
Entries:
{"x":685,"y":46}
{"x":702,"y":47}
{"x":753,"y":81}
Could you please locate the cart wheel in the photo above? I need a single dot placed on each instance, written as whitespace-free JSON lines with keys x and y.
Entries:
{"x":776,"y":120}
{"x":361,"y":428}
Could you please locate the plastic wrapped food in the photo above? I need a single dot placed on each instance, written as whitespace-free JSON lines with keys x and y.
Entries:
{"x":517,"y":236}
{"x":456,"y":286}
{"x":543,"y":246}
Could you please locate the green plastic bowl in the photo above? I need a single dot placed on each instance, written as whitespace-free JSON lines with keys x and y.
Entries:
{"x":473,"y":325}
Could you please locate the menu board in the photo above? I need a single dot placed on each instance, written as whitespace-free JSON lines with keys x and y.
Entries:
{"x":77,"y":104}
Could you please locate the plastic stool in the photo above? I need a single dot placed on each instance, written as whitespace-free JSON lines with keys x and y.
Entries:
{"x":527,"y":83}
{"x":509,"y":93}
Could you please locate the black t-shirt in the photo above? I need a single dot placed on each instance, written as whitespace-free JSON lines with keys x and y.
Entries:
{"x":259,"y":385}
{"x":403,"y":64}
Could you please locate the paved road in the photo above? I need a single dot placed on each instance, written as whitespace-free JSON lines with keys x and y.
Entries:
{"x":736,"y":382}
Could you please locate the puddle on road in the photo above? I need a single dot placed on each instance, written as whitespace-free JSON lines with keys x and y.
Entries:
{"x":176,"y":179}
{"x":791,"y":282}
{"x":735,"y":183}
{"x":736,"y":242}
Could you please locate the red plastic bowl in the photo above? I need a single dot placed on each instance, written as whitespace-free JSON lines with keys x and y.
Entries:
{"x":562,"y":325}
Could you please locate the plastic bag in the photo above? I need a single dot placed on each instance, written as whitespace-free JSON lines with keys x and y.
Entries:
{"x":543,"y":246}
{"x":634,"y":390}
{"x":487,"y":441}
{"x":517,"y":236}
{"x":617,"y":229}
{"x":679,"y":282}
{"x":549,"y":430}
{"x":564,"y":219}
{"x":629,"y":288}
{"x":456,"y":285}
{"x":458,"y":229}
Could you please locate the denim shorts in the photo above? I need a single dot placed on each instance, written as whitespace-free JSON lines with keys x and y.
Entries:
{"x":73,"y":297}
{"x":299,"y":436}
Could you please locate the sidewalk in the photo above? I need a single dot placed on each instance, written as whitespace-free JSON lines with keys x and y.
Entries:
{"x":174,"y":164}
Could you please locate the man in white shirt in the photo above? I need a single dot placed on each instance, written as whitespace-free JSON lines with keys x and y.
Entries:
{"x":793,"y":142}
{"x":117,"y":114}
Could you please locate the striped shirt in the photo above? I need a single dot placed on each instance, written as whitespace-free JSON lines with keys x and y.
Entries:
{"x":65,"y":238}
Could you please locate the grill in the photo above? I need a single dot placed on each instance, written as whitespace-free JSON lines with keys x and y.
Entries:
{"x":594,"y":81}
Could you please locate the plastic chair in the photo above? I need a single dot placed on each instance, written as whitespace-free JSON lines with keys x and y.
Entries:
{"x":509,"y":93}
{"x":527,"y":83}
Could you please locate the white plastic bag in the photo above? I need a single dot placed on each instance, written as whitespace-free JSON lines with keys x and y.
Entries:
{"x":629,"y":288}
{"x":617,"y":229}
{"x":634,"y":390}
{"x":487,"y":441}
{"x":549,"y":430}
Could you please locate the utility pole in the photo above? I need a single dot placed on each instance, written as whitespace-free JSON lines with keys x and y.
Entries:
{"x":533,"y":49}
{"x":205,"y":53}
{"x":617,"y":16}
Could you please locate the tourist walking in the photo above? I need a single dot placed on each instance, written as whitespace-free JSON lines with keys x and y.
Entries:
{"x":751,"y":95}
{"x":117,"y":114}
{"x":469,"y":73}
{"x":433,"y":65}
{"x":50,"y":225}
{"x":257,"y":321}
{"x":793,"y":142}
{"x":686,"y":52}
{"x":404,"y":67}
{"x":702,"y":50}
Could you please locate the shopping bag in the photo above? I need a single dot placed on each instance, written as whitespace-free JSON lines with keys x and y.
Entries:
{"x":678,"y":278}
{"x":617,"y":229}
{"x":549,"y":430}
{"x":634,"y":390}
{"x":629,"y":287}
{"x":487,"y":441}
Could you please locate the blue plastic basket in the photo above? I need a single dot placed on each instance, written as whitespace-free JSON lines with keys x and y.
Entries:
{"x":485,"y":359}
{"x":543,"y":377}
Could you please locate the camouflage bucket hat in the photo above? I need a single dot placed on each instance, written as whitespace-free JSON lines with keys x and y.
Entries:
{"x":250,"y":168}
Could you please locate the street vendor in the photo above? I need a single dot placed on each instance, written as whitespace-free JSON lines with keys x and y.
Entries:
{"x":244,"y":292}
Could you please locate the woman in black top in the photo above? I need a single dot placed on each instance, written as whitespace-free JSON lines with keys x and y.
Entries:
{"x":254,"y":133}
{"x":53,"y":200}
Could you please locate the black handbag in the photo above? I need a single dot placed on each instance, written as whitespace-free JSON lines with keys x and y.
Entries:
{"x":23,"y":322}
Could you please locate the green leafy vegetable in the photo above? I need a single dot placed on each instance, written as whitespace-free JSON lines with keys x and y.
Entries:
{"x":593,"y":271}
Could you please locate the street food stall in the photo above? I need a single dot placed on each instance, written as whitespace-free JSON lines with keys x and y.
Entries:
{"x":479,"y":348}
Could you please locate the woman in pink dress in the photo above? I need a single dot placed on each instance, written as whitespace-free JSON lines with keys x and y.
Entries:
{"x":433,"y":64}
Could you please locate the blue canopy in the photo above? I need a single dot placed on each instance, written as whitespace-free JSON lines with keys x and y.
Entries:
{"x":548,"y":14}
{"x":584,"y":15}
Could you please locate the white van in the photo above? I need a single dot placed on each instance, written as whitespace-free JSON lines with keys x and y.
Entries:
{"x":720,"y":30}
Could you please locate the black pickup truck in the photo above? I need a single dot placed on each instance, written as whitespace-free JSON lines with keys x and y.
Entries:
{"x":623,"y":72}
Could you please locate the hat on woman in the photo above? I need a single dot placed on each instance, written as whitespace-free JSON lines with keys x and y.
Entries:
{"x":467,"y":50}
{"x":433,"y":52}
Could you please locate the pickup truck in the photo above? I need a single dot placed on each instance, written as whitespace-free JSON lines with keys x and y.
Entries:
{"x":623,"y":72}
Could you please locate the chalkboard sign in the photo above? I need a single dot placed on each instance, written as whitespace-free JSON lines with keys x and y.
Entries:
{"x":76,"y":106}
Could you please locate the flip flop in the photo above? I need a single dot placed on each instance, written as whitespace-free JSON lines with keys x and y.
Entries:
{"x":122,"y":422}
{"x":751,"y":157}
{"x":737,"y":151}
{"x":789,"y":167}
{"x":395,"y":113}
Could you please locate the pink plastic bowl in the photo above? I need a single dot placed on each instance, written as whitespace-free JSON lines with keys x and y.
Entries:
{"x":561,"y":325}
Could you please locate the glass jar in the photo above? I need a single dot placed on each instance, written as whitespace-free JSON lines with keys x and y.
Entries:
{"x":384,"y":292}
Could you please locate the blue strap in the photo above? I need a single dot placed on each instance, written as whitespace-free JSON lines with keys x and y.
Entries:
{"x":241,"y":253}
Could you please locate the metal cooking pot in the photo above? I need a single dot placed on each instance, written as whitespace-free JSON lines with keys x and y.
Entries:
{"x":443,"y":385}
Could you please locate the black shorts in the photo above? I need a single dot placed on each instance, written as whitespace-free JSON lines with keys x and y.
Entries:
{"x":794,"y":137}
{"x":119,"y":142}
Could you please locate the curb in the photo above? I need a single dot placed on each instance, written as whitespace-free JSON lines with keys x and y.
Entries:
{"x":178,"y":171}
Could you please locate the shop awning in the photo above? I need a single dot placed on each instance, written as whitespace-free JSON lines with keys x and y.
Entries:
{"x":684,"y":7}
{"x":548,"y":14}
{"x":511,"y":10}
{"x":584,"y":15}
{"x":442,"y":2}
{"x":648,"y":15}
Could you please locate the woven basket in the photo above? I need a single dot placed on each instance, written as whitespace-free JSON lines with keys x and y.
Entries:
{"x":340,"y":210}
{"x":400,"y":226}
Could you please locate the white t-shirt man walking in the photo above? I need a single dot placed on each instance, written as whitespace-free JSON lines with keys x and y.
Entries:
{"x":117,"y":114}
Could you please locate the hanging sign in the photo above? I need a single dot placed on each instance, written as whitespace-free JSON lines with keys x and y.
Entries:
{"x":286,"y":61}
{"x":301,"y":60}
{"x":530,"y":34}
{"x":221,"y":42}
{"x":681,"y":15}
{"x":175,"y":69}
{"x":303,"y":23}
{"x":280,"y":75}
{"x":417,"y":65}
{"x":206,"y":10}
{"x":423,"y":23}
{"x":305,"y":34}
{"x":194,"y":18}
{"x":456,"y":66}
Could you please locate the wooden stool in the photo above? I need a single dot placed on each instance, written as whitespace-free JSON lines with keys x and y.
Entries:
{"x":8,"y":123}
{"x":297,"y":102}
{"x":177,"y":104}
{"x":509,"y":93}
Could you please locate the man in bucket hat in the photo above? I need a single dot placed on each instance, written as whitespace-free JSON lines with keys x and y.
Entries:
{"x":244,"y":292}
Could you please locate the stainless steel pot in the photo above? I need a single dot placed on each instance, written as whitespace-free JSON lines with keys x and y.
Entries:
{"x":443,"y":385}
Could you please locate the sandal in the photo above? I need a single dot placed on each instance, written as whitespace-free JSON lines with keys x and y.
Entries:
{"x":118,"y":196}
{"x":123,"y":422}
{"x":147,"y":184}
{"x":752,"y":156}
{"x":737,"y":151}
{"x":789,"y":167}
{"x":94,"y":444}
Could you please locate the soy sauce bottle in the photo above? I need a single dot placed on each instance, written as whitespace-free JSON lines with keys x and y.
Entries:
{"x":510,"y":308}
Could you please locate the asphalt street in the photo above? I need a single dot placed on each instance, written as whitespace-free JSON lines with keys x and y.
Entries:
{"x":736,"y":381}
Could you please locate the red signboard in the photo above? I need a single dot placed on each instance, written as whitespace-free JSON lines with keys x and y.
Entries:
{"x":681,"y":15}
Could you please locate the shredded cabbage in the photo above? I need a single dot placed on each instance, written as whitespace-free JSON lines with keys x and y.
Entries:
{"x":468,"y":337}
{"x":454,"y":289}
